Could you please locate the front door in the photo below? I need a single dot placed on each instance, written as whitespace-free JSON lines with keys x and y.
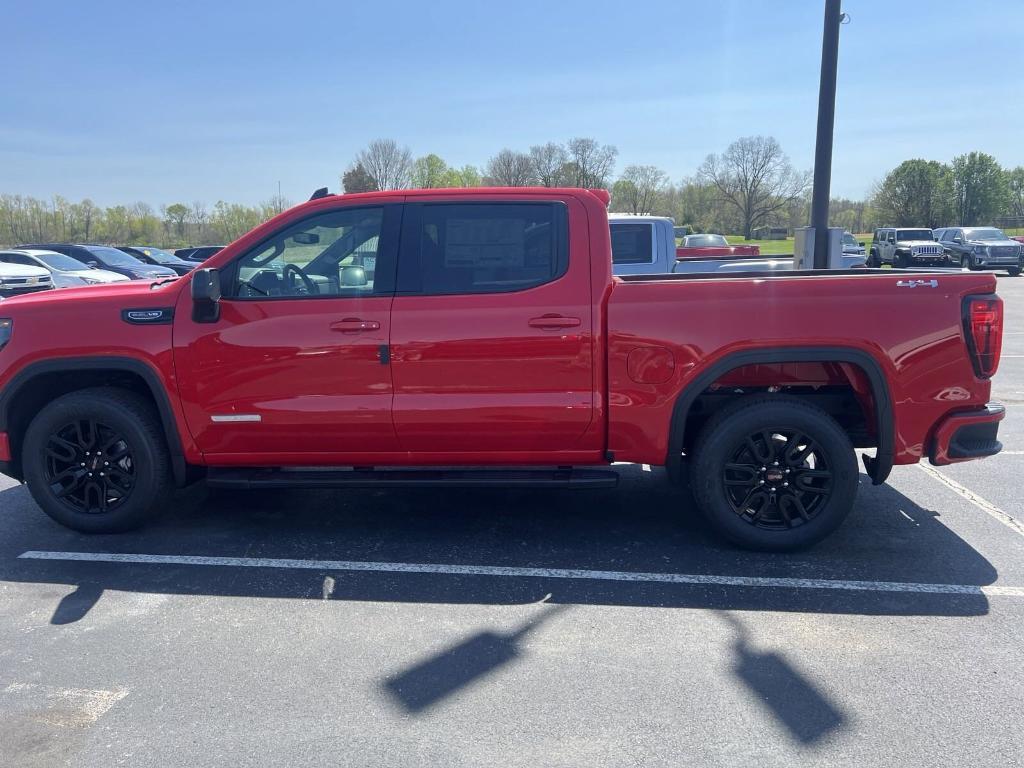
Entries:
{"x":492,"y":333}
{"x":294,"y":370}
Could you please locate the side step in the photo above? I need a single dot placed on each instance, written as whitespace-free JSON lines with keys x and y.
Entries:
{"x":331,"y":477}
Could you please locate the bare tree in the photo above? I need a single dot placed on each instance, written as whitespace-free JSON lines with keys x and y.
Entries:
{"x":548,"y":160}
{"x":755,"y":177}
{"x":511,"y":169}
{"x":197,"y":217}
{"x":639,"y":187}
{"x":388,"y":164}
{"x":590,"y":164}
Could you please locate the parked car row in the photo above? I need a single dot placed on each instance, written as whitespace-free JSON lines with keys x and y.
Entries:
{"x":41,"y":266}
{"x":970,"y":247}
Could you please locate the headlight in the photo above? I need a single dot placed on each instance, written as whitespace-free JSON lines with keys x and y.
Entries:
{"x":6,"y":326}
{"x":91,"y":281}
{"x":981,"y":250}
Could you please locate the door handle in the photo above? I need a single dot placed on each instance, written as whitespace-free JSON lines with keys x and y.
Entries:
{"x":553,"y":322}
{"x":355,"y":325}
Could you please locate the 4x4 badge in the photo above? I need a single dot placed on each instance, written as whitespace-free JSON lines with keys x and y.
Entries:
{"x":917,"y":283}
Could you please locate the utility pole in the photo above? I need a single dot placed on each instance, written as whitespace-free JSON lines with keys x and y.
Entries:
{"x":826,"y":127}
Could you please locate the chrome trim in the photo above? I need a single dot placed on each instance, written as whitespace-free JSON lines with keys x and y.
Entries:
{"x":232,"y":418}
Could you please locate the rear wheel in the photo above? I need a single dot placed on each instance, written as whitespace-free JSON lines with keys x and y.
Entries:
{"x":1013,"y":271}
{"x":873,"y":259}
{"x":97,"y":461}
{"x":774,"y":473}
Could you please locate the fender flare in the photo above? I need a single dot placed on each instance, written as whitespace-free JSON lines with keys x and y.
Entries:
{"x":148,"y":375}
{"x":877,"y":468}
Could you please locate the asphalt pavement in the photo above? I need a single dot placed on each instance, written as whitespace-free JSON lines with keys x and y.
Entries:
{"x":524,"y":628}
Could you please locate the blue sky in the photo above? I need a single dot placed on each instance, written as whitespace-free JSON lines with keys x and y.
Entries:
{"x":219,"y":100}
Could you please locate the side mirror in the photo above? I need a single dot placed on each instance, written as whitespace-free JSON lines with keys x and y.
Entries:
{"x":205,"y":295}
{"x":353,"y":276}
{"x":861,"y":243}
{"x":93,"y":264}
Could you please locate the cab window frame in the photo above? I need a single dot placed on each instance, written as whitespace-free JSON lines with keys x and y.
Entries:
{"x":409,"y":280}
{"x":385,"y":269}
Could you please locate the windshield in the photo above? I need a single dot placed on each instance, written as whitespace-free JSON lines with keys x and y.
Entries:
{"x":985,"y":233}
{"x":114,"y":256}
{"x":60,"y":262}
{"x":705,"y":241}
{"x":915,"y":234}
{"x":157,"y":254}
{"x":849,"y":239}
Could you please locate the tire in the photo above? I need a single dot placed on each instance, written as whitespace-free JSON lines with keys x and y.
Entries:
{"x":873,"y":261}
{"x":971,"y":263}
{"x":899,"y":261}
{"x":735,"y":501}
{"x":63,"y":458}
{"x":1013,"y":271}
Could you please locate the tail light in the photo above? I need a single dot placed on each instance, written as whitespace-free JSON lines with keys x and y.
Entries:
{"x":983,"y":327}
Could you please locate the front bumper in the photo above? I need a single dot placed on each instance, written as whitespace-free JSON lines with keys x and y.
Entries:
{"x":967,"y":435}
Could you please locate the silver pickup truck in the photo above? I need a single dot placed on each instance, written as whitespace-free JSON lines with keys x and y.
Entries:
{"x":646,"y":245}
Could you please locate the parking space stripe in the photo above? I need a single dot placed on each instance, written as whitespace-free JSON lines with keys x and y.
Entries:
{"x":986,"y":506}
{"x":454,"y":569}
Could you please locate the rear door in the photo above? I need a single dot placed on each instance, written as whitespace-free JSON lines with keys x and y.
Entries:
{"x":492,"y":336}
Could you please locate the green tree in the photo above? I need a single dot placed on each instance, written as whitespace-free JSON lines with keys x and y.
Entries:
{"x":980,"y":190}
{"x":1015,"y":186}
{"x":916,"y":193}
{"x":177,"y":214}
{"x":429,"y":172}
{"x":357,"y":179}
{"x":638,"y":188}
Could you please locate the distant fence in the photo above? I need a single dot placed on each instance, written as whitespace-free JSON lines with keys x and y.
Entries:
{"x":1009,"y":222}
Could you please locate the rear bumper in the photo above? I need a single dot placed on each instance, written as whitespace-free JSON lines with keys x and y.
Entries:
{"x":968,"y":435}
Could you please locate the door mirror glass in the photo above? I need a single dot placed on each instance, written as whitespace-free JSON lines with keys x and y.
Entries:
{"x":205,"y":295}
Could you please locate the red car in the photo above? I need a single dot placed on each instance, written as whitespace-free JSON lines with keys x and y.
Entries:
{"x":1018,"y":238}
{"x":476,"y":337}
{"x":713,"y":246}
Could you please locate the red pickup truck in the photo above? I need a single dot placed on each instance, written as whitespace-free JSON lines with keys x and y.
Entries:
{"x":474,"y":337}
{"x":713,"y":247}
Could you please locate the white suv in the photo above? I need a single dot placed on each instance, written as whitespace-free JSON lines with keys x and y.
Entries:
{"x":16,"y":279}
{"x":64,"y":271}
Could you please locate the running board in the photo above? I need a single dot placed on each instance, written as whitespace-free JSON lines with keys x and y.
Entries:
{"x":330,"y":477}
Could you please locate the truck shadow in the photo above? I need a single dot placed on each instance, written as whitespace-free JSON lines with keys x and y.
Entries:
{"x":644,"y":526}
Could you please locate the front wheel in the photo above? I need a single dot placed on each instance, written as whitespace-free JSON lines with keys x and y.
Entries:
{"x":899,"y":261}
{"x":1013,"y":271}
{"x":873,"y":261}
{"x":774,"y":473}
{"x":97,"y":461}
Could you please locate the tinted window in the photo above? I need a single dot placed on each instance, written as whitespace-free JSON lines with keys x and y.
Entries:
{"x":484,"y":248}
{"x":914,"y":234}
{"x":632,"y":244}
{"x":17,"y":258}
{"x":705,"y":241}
{"x":984,"y":233}
{"x":112,"y":256}
{"x":60,"y":262}
{"x":330,"y":254}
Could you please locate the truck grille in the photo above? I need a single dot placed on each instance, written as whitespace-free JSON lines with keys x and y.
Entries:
{"x":927,"y":250}
{"x":1005,"y":250}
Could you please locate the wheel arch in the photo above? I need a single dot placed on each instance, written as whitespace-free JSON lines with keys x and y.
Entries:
{"x":878,"y":468}
{"x":92,"y":370}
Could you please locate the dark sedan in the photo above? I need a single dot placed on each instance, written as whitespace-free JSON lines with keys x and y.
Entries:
{"x":105,"y":257}
{"x":159,"y":257}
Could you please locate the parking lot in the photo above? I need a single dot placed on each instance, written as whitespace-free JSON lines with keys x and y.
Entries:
{"x":524,"y":628}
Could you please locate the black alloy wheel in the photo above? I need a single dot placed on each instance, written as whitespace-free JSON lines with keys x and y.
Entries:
{"x":89,"y":466}
{"x":777,"y":479}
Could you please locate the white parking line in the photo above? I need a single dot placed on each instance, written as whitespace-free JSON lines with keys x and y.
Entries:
{"x":697,"y":579}
{"x":986,"y":506}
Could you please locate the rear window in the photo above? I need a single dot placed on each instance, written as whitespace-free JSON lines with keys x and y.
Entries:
{"x":485,"y":248}
{"x":705,"y":241}
{"x":632,"y":244}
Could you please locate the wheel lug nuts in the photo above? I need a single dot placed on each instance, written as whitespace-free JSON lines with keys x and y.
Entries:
{"x":83,"y":463}
{"x":107,"y":464}
{"x":761,"y":482}
{"x":764,"y":469}
{"x":784,"y":485}
{"x":90,"y":474}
